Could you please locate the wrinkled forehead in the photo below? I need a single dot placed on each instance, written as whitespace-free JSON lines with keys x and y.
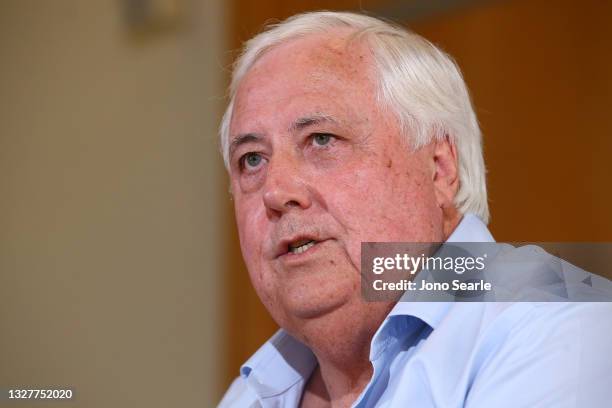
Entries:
{"x":314,"y":60}
{"x":335,"y":51}
{"x":322,"y":73}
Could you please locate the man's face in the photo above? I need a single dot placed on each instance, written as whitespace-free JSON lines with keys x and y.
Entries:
{"x":316,"y":168}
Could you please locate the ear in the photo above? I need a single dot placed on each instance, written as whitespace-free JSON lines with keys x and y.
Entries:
{"x":446,"y":172}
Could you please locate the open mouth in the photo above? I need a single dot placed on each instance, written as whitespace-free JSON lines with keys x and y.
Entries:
{"x":300,"y":246}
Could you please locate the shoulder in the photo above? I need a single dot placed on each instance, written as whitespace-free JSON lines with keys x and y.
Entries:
{"x":551,"y":354}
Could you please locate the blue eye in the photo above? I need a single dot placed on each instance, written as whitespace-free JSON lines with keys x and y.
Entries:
{"x":321,"y":139}
{"x":251,"y":160}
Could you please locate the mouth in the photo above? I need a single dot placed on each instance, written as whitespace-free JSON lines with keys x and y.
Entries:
{"x":301,"y":246}
{"x":295,"y":246}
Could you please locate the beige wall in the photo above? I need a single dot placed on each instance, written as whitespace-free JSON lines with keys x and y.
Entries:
{"x":109,"y":210}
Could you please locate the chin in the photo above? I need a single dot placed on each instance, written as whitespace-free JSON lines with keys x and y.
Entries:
{"x":311,"y":306}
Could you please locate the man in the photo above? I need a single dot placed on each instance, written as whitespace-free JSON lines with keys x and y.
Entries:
{"x":343,"y":129}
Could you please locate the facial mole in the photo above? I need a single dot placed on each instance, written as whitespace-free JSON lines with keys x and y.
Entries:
{"x":389,"y":163}
{"x":331,"y":262}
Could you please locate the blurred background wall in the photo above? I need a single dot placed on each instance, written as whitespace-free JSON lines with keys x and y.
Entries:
{"x":120,"y":271}
{"x":110,"y":234}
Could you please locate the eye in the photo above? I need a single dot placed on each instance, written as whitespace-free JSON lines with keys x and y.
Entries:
{"x":322,"y":139}
{"x":250,"y":161}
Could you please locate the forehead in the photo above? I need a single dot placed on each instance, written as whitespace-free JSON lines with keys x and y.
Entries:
{"x":317,"y":73}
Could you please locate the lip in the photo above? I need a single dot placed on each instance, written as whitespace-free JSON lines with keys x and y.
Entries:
{"x":282,"y":247}
{"x":291,"y":258}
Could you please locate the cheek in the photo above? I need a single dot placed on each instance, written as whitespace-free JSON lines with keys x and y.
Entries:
{"x":250,"y":220}
{"x":251,"y":230}
{"x":357,"y":200}
{"x":385,"y":203}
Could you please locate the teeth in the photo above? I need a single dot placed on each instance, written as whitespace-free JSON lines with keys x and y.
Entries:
{"x":302,"y":247}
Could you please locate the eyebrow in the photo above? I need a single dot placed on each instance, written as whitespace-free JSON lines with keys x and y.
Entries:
{"x":243,"y":139}
{"x":311,"y":120}
{"x":298,"y":124}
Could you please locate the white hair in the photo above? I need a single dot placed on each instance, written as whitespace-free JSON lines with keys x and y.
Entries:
{"x":417,"y":81}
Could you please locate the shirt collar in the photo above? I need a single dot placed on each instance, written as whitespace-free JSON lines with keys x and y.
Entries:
{"x":470,"y":229}
{"x":278,"y":365}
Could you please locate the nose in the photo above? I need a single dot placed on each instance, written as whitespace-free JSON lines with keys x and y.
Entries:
{"x":285,"y":188}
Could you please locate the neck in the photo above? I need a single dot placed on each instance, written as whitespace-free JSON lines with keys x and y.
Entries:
{"x":330,"y":387}
{"x":451,"y":217}
{"x":342,"y":349}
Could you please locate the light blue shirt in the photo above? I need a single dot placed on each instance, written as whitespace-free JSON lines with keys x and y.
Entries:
{"x":458,"y":355}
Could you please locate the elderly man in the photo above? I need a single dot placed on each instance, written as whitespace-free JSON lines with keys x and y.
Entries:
{"x":343,"y":129}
